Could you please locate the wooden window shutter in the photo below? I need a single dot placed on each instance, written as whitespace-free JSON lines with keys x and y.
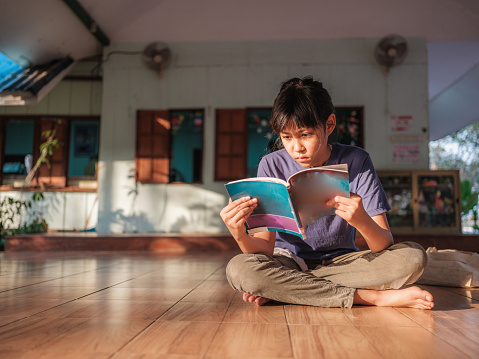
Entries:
{"x":152,"y":146}
{"x":54,"y":174}
{"x":231,"y":144}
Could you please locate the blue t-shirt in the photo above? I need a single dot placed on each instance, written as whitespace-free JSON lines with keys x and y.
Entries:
{"x":329,"y":236}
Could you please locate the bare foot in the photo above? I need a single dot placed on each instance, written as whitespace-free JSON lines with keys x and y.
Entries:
{"x":247,"y":297}
{"x":412,"y":297}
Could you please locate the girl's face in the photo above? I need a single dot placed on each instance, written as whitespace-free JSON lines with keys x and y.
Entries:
{"x":308,"y":146}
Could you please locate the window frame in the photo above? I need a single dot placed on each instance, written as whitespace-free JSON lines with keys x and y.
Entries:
{"x":68,"y":184}
{"x":236,"y":158}
{"x":243,"y":157}
{"x":341,"y":112}
{"x":243,"y":172}
{"x":153,"y":163}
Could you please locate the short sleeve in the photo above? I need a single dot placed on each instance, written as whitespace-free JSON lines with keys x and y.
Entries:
{"x":263,"y":169}
{"x":370,"y":189}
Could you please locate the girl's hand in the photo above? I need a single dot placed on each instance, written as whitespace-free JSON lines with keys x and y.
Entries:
{"x":375,"y":230}
{"x":350,"y":209}
{"x":235,"y":214}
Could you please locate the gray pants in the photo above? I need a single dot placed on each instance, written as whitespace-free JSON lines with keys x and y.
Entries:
{"x":331,"y":283}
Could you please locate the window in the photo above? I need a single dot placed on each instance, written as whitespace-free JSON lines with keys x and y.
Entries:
{"x":169,"y":146}
{"x":18,"y":149}
{"x":243,"y":137}
{"x":54,"y":174}
{"x":69,"y":166}
{"x":231,"y":143}
{"x":261,"y":138}
{"x":83,"y":154}
{"x":349,"y":126}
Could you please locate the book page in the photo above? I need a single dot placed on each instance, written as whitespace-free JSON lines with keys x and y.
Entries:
{"x":263,"y":179}
{"x":343,"y":167}
{"x":312,"y":188}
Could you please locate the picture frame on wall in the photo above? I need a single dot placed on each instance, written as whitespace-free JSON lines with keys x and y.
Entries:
{"x":350,"y":125}
{"x":85,"y":140}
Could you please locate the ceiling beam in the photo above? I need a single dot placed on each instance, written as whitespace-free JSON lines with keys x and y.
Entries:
{"x":87,"y":20}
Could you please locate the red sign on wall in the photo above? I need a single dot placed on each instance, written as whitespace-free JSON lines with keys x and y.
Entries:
{"x":401,"y":123}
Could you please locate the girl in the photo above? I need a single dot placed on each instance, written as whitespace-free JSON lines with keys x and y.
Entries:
{"x":326,"y":269}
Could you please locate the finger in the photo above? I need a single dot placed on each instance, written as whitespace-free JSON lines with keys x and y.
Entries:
{"x":237,"y":205}
{"x":343,"y":214}
{"x":353,"y":195}
{"x":336,"y":201}
{"x":237,"y":216}
{"x":242,"y":215}
{"x":241,"y":203}
{"x":330,"y":202}
{"x":238,"y":201}
{"x":352,"y":201}
{"x":340,"y":208}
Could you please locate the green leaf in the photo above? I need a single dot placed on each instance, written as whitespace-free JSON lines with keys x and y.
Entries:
{"x":38,"y":196}
{"x":466,"y":188}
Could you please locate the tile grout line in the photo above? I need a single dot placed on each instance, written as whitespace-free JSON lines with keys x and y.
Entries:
{"x":462,"y":295}
{"x":69,"y":301}
{"x":446,"y":341}
{"x":59,"y":305}
{"x":222,"y":319}
{"x":61,"y":277}
{"x":431,"y":330}
{"x":159,"y":318}
{"x":289,"y":332}
{"x":363,"y":335}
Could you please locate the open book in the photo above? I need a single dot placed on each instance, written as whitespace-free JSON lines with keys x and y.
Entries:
{"x":290,"y":206}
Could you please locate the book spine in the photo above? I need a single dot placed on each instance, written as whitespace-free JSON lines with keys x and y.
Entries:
{"x":298,"y":223}
{"x":303,"y":233}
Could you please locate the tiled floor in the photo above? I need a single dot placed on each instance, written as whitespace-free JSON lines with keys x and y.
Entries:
{"x":142,"y":305}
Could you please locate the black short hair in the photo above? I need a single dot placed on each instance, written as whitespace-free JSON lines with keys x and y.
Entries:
{"x":303,"y":102}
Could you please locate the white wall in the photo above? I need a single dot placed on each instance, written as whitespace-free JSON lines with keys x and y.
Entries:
{"x":214,"y":75}
{"x":65,"y":210}
{"x":62,"y":210}
{"x":68,"y":98}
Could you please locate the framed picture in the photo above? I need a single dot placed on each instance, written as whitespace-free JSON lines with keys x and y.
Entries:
{"x":85,"y":140}
{"x":350,"y":126}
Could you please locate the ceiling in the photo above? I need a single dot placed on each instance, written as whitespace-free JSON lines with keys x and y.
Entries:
{"x":35,"y":32}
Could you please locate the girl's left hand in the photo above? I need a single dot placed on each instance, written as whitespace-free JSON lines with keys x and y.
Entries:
{"x":350,"y":209}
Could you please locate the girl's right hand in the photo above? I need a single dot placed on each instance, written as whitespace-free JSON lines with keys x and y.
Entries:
{"x":235,"y":214}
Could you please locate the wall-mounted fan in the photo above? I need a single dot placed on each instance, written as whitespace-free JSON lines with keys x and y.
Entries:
{"x":156,"y":56}
{"x":390,"y":51}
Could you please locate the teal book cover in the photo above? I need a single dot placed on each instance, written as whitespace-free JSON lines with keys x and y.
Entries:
{"x":290,"y":206}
